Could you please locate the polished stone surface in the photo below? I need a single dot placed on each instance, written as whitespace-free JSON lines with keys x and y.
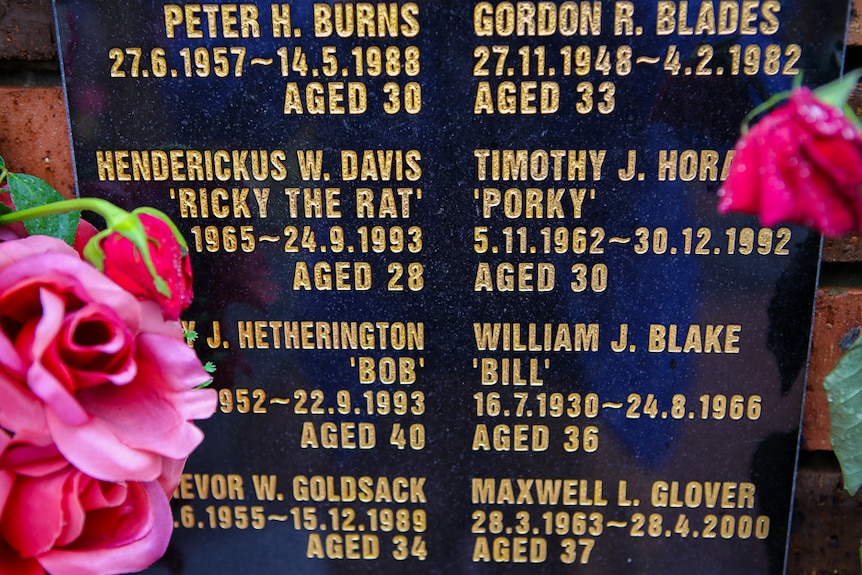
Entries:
{"x":713,"y":476}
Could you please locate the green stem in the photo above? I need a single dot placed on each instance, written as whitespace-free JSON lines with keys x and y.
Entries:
{"x":119,"y":221}
{"x":107,"y":210}
{"x":770,"y":103}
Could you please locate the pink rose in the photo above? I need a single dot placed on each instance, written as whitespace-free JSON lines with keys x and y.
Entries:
{"x":55,"y":518}
{"x":86,"y":364}
{"x":125,"y":265}
{"x":802,"y":163}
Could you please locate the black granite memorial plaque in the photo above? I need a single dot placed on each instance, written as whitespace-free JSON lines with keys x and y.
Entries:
{"x":461,"y":272}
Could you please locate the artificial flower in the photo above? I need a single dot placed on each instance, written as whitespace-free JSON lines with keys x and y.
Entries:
{"x":802,"y":163}
{"x":57,"y":519}
{"x":86,"y":364}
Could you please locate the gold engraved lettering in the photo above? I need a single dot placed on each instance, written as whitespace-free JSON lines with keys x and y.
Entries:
{"x":529,"y":491}
{"x":343,"y":546}
{"x":366,"y":335}
{"x":537,"y":19}
{"x":365,"y":489}
{"x":624,"y":24}
{"x":698,"y":338}
{"x":366,"y":20}
{"x":511,"y":550}
{"x":281,"y":21}
{"x":325,"y":276}
{"x":380,"y":165}
{"x":525,"y":277}
{"x":221,"y":20}
{"x":205,"y":486}
{"x":745,"y":17}
{"x":316,"y":202}
{"x":329,"y":98}
{"x":546,"y":337}
{"x":221,"y":202}
{"x":709,"y":494}
{"x":504,"y":437}
{"x":689,"y":165}
{"x":527,"y":97}
{"x":191,"y":165}
{"x":343,"y":435}
{"x":386,"y":204}
{"x":534,"y":203}
{"x":539,"y":165}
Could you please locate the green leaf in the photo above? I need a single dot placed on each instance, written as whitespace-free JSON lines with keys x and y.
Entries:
{"x":843,"y":388}
{"x":4,"y":209}
{"x":837,"y":93}
{"x":210,"y":368}
{"x":30,"y":192}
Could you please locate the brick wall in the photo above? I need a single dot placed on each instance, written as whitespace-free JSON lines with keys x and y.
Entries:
{"x":827,"y":522}
{"x":33,"y":128}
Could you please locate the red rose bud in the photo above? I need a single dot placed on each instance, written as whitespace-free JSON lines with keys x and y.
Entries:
{"x":802,"y":163}
{"x":84,"y":234}
{"x":168,"y":281}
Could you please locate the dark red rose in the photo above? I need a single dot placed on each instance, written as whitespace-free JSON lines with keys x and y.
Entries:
{"x":125,"y":265}
{"x":802,"y":163}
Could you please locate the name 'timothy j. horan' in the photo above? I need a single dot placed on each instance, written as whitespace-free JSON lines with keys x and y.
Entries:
{"x":587,"y":337}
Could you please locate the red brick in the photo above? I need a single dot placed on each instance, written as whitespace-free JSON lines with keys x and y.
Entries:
{"x":855,"y":100}
{"x":854,"y":34}
{"x":837,"y":312}
{"x":34,"y":135}
{"x":844,"y":249}
{"x":826,"y":529}
{"x":27,"y":30}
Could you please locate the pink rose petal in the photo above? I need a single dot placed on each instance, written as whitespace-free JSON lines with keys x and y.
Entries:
{"x":65,"y":522}
{"x":93,"y":369}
